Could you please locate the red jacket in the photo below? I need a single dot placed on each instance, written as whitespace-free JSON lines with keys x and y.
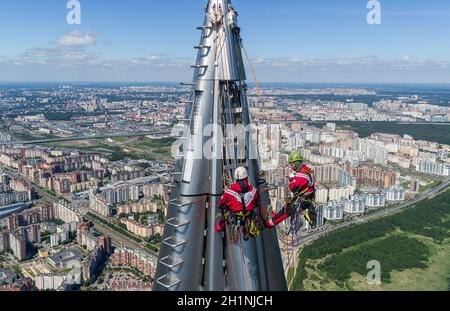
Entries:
{"x":232,"y":200}
{"x":303,"y":180}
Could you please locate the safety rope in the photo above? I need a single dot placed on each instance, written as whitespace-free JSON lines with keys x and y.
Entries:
{"x":227,"y":229}
{"x":234,"y":234}
{"x":223,"y":34}
{"x":246,"y":282}
{"x":259,"y":90}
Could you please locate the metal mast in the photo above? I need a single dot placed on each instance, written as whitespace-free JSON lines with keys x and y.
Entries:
{"x":193,"y":256}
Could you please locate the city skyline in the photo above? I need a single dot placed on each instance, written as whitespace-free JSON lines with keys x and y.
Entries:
{"x":112,"y":181}
{"x":292,"y":41}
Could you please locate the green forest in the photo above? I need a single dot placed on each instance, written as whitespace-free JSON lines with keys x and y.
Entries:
{"x":424,"y":131}
{"x":409,"y":253}
{"x":391,"y":246}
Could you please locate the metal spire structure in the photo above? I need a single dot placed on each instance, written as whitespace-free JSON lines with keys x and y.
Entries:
{"x":193,"y":256}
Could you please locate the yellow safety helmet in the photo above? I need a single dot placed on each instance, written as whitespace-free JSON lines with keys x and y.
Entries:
{"x":295,"y":157}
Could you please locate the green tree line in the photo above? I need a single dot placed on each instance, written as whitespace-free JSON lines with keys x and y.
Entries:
{"x":429,"y":218}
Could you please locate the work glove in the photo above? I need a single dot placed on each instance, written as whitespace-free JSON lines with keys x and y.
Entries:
{"x":220,"y":223}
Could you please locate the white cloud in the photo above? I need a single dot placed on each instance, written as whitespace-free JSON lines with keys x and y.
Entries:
{"x":57,"y":56}
{"x":406,"y":58}
{"x":69,"y":50}
{"x":152,"y":57}
{"x":73,"y":53}
{"x":362,"y":63}
{"x":76,"y":38}
{"x":352,"y":69}
{"x":259,"y":61}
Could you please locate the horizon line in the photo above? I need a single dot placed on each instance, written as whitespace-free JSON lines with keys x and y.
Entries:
{"x":179,"y":83}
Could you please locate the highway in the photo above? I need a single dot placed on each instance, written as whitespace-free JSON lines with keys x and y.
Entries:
{"x":116,"y":237}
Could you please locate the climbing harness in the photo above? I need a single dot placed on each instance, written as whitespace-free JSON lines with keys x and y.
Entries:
{"x":298,"y":203}
{"x":248,"y":223}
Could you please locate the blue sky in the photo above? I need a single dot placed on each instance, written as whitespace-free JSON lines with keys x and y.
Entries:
{"x":288,"y":40}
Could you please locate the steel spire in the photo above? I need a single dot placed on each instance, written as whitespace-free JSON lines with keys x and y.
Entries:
{"x":193,"y":256}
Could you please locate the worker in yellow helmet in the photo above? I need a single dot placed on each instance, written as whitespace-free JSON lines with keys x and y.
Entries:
{"x":302,"y":185}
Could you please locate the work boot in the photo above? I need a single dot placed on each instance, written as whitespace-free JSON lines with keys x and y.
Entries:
{"x":311,"y":216}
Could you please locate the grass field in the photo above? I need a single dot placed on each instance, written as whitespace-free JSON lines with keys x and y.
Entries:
{"x":413,"y":248}
{"x":429,"y":185}
{"x":433,"y":277}
{"x":122,"y":147}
